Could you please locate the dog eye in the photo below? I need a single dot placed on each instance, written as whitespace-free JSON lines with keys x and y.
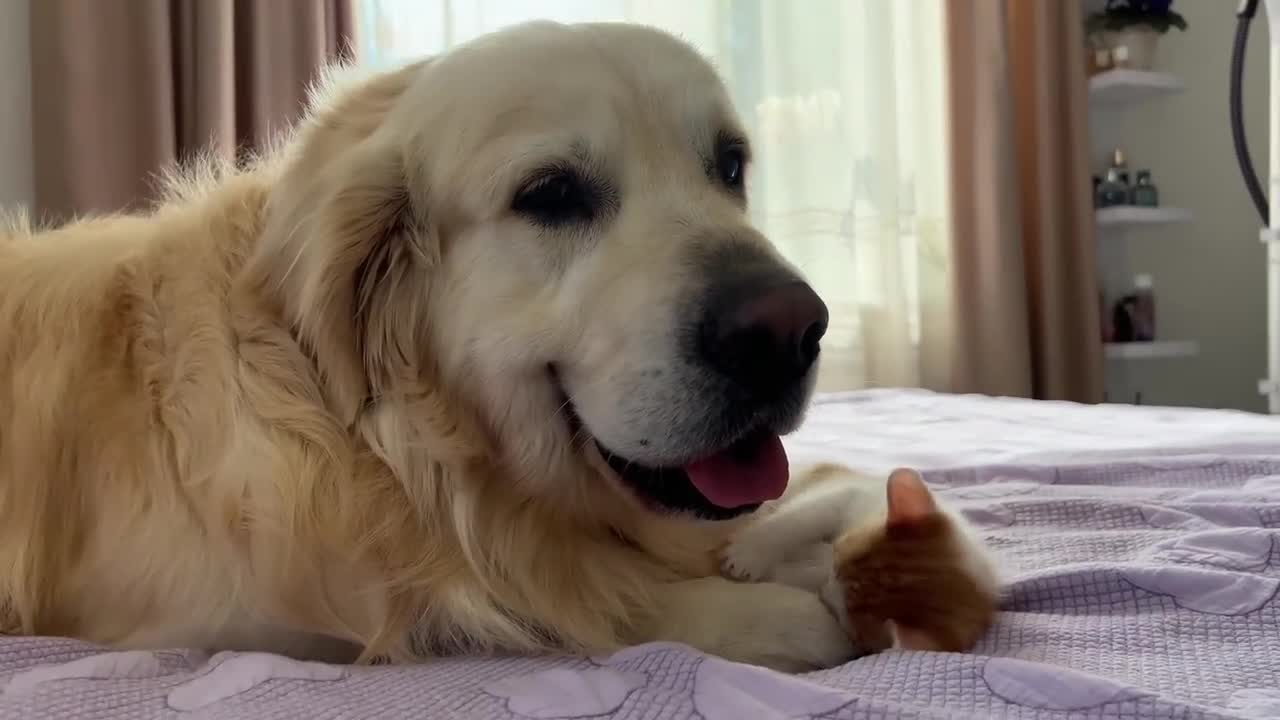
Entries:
{"x":554,"y":199}
{"x":730,"y":166}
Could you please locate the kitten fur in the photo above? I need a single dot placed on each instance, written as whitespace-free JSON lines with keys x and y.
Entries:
{"x":898,"y":569}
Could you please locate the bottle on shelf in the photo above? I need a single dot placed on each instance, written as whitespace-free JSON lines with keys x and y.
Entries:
{"x":1133,"y":318}
{"x":1118,"y":162}
{"x":1114,"y":188}
{"x":1122,"y":320}
{"x":1144,"y":308}
{"x":1144,"y":191}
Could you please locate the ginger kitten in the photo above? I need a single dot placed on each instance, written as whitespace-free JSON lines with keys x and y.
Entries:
{"x":898,"y":569}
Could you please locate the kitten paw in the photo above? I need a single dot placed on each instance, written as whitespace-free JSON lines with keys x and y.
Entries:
{"x":747,"y":561}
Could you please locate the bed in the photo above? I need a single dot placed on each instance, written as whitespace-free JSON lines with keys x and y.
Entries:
{"x":1142,"y":547}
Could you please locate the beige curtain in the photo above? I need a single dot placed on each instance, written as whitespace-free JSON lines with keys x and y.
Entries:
{"x":1024,"y":286}
{"x":122,"y":88}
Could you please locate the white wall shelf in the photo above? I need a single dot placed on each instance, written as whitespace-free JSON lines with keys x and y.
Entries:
{"x":1122,"y":87}
{"x":1118,"y":216}
{"x":1160,"y":349}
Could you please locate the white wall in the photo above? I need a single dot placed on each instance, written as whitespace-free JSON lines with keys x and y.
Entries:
{"x":16,"y":181}
{"x":1209,"y":275}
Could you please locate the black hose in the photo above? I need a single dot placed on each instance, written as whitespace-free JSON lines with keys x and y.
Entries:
{"x":1243,"y":18}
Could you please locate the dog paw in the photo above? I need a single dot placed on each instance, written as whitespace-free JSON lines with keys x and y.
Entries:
{"x":806,"y":637}
{"x":766,"y":624}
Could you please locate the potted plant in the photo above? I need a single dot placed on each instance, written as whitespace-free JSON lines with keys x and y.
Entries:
{"x":1132,"y":29}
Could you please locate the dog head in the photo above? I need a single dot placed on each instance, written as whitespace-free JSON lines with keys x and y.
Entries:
{"x":552,"y":222}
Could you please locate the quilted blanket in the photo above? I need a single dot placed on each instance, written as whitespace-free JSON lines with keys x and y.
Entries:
{"x":1142,"y":548}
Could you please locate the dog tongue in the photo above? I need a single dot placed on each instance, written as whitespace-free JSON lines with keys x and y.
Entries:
{"x":742,"y":475}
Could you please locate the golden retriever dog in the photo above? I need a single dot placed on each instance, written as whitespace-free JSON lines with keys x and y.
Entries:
{"x":485,"y":356}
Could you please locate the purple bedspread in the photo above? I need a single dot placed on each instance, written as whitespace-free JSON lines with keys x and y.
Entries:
{"x":1143,"y":584}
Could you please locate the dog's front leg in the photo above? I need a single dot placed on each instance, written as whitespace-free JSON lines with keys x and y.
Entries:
{"x":766,"y":624}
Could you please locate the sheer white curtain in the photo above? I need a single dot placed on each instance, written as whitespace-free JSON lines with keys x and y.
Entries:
{"x":845,"y":101}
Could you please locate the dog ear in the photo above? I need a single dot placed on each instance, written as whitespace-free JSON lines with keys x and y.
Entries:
{"x":343,"y":244}
{"x":339,"y":221}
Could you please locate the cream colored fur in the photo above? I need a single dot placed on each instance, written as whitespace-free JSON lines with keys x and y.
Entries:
{"x":287,"y":410}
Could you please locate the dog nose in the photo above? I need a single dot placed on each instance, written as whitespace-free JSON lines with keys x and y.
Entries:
{"x":766,"y":341}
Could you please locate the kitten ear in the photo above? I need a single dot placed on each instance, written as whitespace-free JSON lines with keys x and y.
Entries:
{"x":909,"y":498}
